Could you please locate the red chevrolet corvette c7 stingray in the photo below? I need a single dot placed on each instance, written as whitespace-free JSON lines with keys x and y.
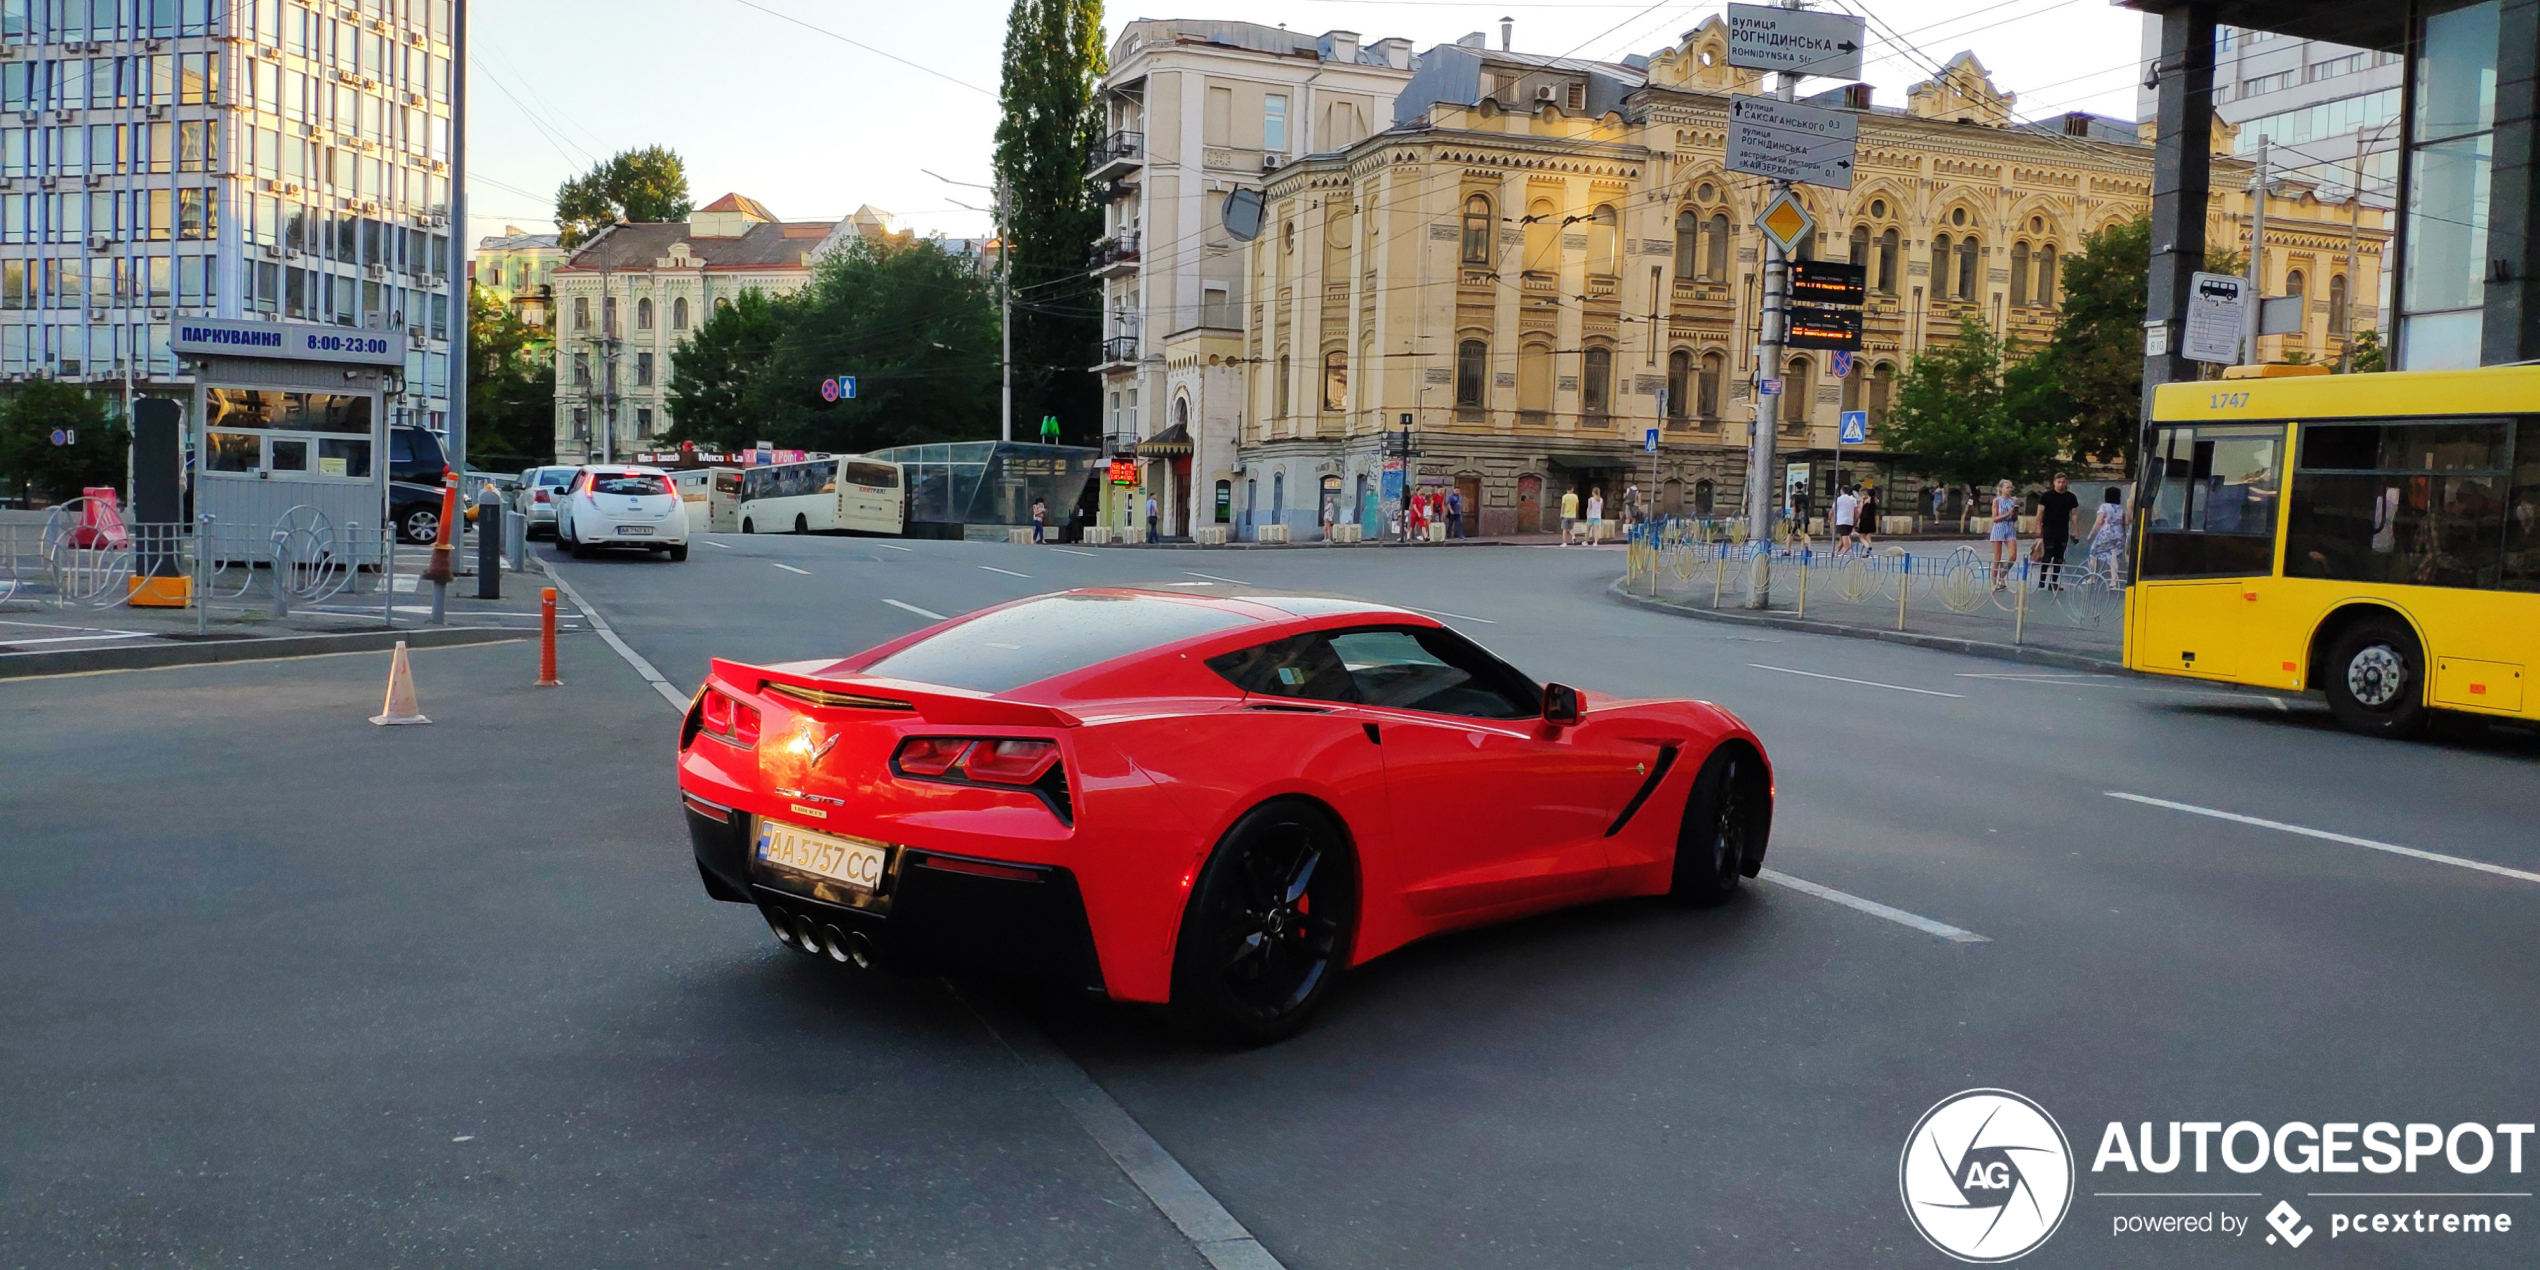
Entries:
{"x":1219,"y":803}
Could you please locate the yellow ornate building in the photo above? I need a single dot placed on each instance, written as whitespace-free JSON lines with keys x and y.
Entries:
{"x":1541,"y":251}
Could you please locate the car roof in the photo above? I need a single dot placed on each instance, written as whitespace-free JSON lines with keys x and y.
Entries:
{"x":621,"y":469}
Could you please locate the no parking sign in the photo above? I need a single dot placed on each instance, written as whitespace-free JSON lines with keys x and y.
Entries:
{"x":841,"y":387}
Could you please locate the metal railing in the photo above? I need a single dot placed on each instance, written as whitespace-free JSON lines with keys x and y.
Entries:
{"x":83,"y":557}
{"x":1114,"y":148}
{"x":1120,"y":248}
{"x":1954,"y":589}
{"x":1119,"y":348}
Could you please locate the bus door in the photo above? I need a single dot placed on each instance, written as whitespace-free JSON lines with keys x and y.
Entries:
{"x":723,"y":501}
{"x":2211,"y":500}
{"x":869,"y":497}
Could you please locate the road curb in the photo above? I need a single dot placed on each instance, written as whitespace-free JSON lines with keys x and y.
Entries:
{"x":243,"y":648}
{"x":1943,"y":643}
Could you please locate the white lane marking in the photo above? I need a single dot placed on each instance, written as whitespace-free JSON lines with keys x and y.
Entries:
{"x":2279,"y":704}
{"x":2323,"y":834}
{"x":1190,"y":573}
{"x":1072,"y":552}
{"x":723,"y":546}
{"x":1007,"y":572}
{"x":1875,"y":909}
{"x":2176,"y":1194}
{"x":1457,"y":616}
{"x":1190,"y":584}
{"x":2041,"y":676}
{"x":890,"y":547}
{"x":1175,"y":1193}
{"x":913,"y":609}
{"x":1866,"y":683}
{"x":73,"y":639}
{"x":633,"y":658}
{"x":791,"y":569}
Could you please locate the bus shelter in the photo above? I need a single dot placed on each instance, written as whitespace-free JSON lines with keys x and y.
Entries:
{"x":289,"y":416}
{"x":954,"y":486}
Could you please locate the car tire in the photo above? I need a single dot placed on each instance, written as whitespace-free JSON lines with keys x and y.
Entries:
{"x":1728,"y":818}
{"x":2376,"y":680}
{"x":747,"y":526}
{"x":802,"y":524}
{"x":679,"y":553}
{"x":420,"y":525}
{"x":1268,"y":928}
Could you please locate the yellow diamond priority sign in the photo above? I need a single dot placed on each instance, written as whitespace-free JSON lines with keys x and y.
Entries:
{"x":1786,"y":223}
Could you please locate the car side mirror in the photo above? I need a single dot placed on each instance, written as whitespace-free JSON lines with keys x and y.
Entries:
{"x":1560,"y":705}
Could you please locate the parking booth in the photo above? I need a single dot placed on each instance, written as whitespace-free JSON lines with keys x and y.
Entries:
{"x":289,"y":425}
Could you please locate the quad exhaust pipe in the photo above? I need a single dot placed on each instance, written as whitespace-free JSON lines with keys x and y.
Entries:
{"x":801,"y":934}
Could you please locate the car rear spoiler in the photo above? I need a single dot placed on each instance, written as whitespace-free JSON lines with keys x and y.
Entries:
{"x":884,"y":697}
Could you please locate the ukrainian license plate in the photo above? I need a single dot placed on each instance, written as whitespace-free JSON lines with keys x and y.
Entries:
{"x":629,"y":531}
{"x":853,"y":861}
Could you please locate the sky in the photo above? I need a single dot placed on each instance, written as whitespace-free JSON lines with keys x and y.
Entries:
{"x":817,"y":107}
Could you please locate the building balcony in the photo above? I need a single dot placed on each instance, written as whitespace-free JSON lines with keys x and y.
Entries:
{"x":1116,"y":353}
{"x":1116,"y":155}
{"x":1116,"y":256}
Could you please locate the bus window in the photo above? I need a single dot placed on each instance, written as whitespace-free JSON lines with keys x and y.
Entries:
{"x":822,"y":477}
{"x":877,"y":475}
{"x":2412,"y":503}
{"x":2211,"y":500}
{"x":728,"y":483}
{"x":2522,"y":514}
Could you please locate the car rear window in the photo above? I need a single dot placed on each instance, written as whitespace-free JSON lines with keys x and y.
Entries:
{"x":630,"y":483}
{"x":1050,"y":636}
{"x":554,"y":476}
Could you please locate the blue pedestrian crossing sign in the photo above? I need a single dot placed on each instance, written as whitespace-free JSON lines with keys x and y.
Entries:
{"x":1650,"y":441}
{"x":1856,"y":427}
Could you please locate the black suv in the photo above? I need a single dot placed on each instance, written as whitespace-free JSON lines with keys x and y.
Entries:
{"x":415,"y":464}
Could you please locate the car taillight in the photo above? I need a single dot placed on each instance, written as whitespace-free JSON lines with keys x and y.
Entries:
{"x":670,"y":487}
{"x":730,"y":720}
{"x":542,"y":496}
{"x":745,"y":724}
{"x":929,"y":755}
{"x":719,"y":713}
{"x":1010,"y":762}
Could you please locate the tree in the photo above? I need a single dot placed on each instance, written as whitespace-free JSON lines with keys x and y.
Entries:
{"x":1973,"y":411}
{"x":36,"y":466}
{"x":1048,"y":128}
{"x":711,"y":372}
{"x":917,"y":328}
{"x":2096,"y":354}
{"x":511,"y":386}
{"x":634,"y":186}
{"x":2364,"y":355}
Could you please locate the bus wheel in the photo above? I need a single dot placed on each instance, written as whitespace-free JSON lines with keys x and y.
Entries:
{"x":2376,"y":680}
{"x":802,"y":524}
{"x":747,"y":527}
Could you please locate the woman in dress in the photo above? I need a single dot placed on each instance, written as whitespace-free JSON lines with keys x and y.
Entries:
{"x":2006,"y":531}
{"x":2107,"y":537}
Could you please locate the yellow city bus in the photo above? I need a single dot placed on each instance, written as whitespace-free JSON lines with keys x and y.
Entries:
{"x":2373,"y":537}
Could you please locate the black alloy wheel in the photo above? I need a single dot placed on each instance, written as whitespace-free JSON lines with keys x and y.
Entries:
{"x":2376,"y":680}
{"x":422,"y":526}
{"x":1268,"y":929}
{"x":1726,"y":821}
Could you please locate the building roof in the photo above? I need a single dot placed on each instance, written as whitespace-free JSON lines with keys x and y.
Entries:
{"x":741,"y":203}
{"x":1344,"y":46}
{"x":514,"y":238}
{"x":765,"y":245}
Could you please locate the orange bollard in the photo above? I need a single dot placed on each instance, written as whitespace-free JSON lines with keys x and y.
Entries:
{"x":438,"y":571}
{"x":547,"y":640}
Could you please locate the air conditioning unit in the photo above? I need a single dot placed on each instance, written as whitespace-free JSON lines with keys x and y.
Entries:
{"x":291,"y":189}
{"x":65,"y":116}
{"x":97,"y":315}
{"x":378,"y":270}
{"x":49,"y":182}
{"x":1545,"y":92}
{"x":156,"y":46}
{"x":158,"y":112}
{"x":272,"y":252}
{"x":158,"y":315}
{"x":415,"y":340}
{"x":30,"y":116}
{"x":100,"y":242}
{"x":96,"y":179}
{"x":272,"y":53}
{"x":1271,"y":162}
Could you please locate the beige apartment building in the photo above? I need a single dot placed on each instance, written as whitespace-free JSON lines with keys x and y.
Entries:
{"x":520,"y":267}
{"x":628,"y":297}
{"x":1195,"y":110}
{"x":1540,"y":251}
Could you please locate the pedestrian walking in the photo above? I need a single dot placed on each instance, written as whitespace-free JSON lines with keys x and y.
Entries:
{"x":2005,"y":531}
{"x":1939,"y":504}
{"x":1865,"y":520}
{"x":1847,"y":505}
{"x":1569,"y":514}
{"x":2058,"y":515}
{"x":1331,"y":514}
{"x":2107,"y":537}
{"x":1040,"y":521}
{"x":1596,"y":516}
{"x":1154,"y":520}
{"x":1455,"y":513}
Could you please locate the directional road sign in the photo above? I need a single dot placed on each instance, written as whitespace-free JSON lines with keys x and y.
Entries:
{"x":1785,"y":222}
{"x":1792,"y":141}
{"x":2215,"y":305}
{"x":1856,"y":427}
{"x":1765,"y":38}
{"x":840,"y":388}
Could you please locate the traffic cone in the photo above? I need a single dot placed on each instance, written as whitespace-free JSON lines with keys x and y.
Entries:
{"x":400,"y":706}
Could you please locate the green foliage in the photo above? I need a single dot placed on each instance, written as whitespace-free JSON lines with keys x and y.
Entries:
{"x":712,"y":370}
{"x":511,"y":387}
{"x":634,"y":186}
{"x":918,"y":330}
{"x":34,"y":466}
{"x":2096,"y":354}
{"x":1973,"y":411}
{"x":1047,"y":130}
{"x":2364,"y":355}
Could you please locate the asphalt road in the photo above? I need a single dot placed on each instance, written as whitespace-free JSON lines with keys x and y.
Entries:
{"x":278,"y":988}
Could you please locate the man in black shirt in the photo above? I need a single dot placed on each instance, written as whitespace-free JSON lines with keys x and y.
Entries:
{"x":2057,"y":510}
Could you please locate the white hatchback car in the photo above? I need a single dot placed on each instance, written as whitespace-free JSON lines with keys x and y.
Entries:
{"x":613,"y":506}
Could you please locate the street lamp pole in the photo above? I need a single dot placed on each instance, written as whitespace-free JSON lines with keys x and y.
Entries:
{"x":1759,"y":448}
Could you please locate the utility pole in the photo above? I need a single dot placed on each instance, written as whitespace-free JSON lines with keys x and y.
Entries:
{"x":2250,"y":321}
{"x":1005,"y":315}
{"x":462,"y":278}
{"x":1760,"y":485}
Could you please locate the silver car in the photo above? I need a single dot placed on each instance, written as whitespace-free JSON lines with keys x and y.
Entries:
{"x":540,"y":489}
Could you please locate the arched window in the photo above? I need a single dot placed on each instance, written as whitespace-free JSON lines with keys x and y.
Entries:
{"x":2337,"y":304}
{"x":2019,"y":274}
{"x":1335,"y":380}
{"x":1715,"y":248}
{"x":1703,"y":493}
{"x":2045,"y":290}
{"x":1336,"y":244}
{"x":644,"y":314}
{"x":1534,"y":380}
{"x":1797,"y":392}
{"x":1279,"y":389}
{"x":1967,"y":278}
{"x":1181,"y":412}
{"x":1706,"y":398}
{"x":1882,"y":389}
{"x":1603,"y":244}
{"x":1596,"y":380}
{"x":1543,"y":238}
{"x":1861,"y":246}
{"x":1688,"y":246}
{"x":2293,"y":283}
{"x":1940,"y":266}
{"x":1887,"y":263}
{"x":1472,"y":374}
{"x":1477,"y":227}
{"x":1679,"y":384}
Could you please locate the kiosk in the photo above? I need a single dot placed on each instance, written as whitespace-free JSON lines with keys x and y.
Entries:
{"x":289,"y":415}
